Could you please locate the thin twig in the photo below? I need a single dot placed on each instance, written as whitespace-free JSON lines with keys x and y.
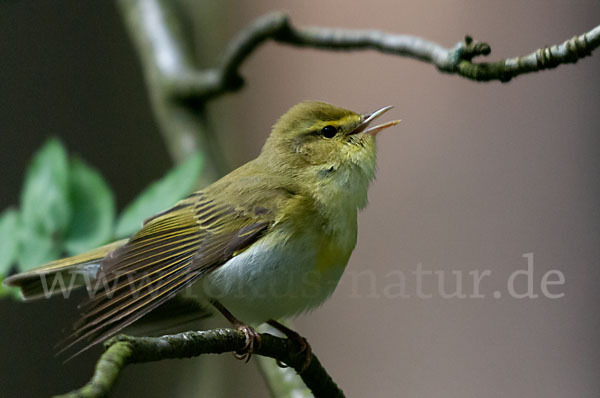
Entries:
{"x":179,"y":90}
{"x":123,"y":350}
{"x":456,"y":60}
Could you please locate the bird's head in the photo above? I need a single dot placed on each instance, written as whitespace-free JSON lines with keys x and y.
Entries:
{"x":327,"y":148}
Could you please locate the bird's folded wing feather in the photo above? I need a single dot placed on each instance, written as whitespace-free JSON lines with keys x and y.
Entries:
{"x":170,"y":252}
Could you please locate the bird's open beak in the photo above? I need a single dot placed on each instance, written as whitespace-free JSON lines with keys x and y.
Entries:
{"x":367,"y":118}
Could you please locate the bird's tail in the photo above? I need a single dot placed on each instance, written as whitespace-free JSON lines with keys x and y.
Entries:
{"x":61,"y":276}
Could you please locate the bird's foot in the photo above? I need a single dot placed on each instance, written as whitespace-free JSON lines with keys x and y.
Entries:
{"x":252,"y":337}
{"x":304,"y":348}
{"x":252,"y":341}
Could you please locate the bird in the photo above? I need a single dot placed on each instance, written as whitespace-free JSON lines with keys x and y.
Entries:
{"x":268,"y":241}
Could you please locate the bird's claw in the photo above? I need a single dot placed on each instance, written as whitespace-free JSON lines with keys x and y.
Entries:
{"x":304,"y":349}
{"x":252,"y":342}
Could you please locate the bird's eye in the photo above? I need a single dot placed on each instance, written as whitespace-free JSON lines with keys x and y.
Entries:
{"x":329,"y":131}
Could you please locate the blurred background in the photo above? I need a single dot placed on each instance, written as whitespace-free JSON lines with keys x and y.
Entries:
{"x":475,"y":176}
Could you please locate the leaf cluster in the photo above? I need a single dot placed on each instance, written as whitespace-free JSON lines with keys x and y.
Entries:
{"x":67,"y":207}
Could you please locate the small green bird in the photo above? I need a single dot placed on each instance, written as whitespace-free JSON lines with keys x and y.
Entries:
{"x":269,"y":240}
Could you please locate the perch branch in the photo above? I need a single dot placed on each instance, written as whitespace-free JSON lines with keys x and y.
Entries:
{"x":123,"y":350}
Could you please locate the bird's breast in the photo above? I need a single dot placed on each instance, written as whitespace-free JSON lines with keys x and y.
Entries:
{"x":334,"y":250}
{"x":287,"y":272}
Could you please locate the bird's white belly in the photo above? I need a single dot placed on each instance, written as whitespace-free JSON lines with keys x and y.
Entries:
{"x":272,"y":280}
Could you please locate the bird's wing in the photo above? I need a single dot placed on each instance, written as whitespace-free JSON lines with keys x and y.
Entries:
{"x":171,"y":250}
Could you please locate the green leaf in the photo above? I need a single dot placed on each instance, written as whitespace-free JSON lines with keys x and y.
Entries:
{"x":92,"y":209}
{"x":45,"y":209}
{"x":161,"y":194}
{"x":9,"y":239}
{"x":36,"y":249}
{"x":45,"y":196}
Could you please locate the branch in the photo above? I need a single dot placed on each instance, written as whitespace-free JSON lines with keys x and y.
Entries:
{"x":167,"y":62}
{"x":179,"y":90}
{"x":123,"y":350}
{"x":456,"y":60}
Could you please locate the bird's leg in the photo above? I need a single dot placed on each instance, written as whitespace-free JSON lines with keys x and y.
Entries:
{"x":296,"y":339}
{"x":252,"y":337}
